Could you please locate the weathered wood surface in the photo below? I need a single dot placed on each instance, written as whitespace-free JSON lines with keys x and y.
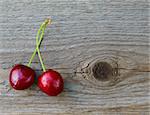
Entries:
{"x":83,"y":34}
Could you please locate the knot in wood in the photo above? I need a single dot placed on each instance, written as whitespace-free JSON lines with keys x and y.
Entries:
{"x":102,"y":71}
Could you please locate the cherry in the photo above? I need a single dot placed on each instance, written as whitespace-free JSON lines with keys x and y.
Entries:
{"x":21,"y":77}
{"x":51,"y":82}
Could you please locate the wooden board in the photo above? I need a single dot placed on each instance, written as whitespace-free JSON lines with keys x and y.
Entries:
{"x":101,"y":47}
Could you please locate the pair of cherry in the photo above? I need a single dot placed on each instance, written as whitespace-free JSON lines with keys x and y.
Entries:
{"x":22,"y":76}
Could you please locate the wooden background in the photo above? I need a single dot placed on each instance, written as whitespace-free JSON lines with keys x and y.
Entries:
{"x":101,"y":47}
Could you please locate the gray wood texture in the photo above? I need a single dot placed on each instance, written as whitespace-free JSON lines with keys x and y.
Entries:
{"x":83,"y":34}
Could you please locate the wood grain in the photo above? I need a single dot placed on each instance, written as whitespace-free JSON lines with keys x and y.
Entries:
{"x":83,"y":34}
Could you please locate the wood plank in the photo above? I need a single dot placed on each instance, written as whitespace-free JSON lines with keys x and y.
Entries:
{"x":100,"y":47}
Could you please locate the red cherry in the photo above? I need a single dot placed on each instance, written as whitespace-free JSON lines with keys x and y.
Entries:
{"x":21,"y":77}
{"x":51,"y":83}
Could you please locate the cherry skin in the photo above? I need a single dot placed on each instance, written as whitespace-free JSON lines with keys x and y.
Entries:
{"x":51,"y":83}
{"x":21,"y":77}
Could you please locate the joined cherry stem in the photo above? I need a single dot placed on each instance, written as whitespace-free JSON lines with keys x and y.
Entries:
{"x":39,"y":38}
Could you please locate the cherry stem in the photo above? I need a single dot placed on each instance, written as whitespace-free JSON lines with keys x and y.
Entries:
{"x":38,"y":51}
{"x":38,"y":42}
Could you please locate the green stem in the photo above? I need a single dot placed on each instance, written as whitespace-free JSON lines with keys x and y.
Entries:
{"x":38,"y":51}
{"x":38,"y":42}
{"x":33,"y":55}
